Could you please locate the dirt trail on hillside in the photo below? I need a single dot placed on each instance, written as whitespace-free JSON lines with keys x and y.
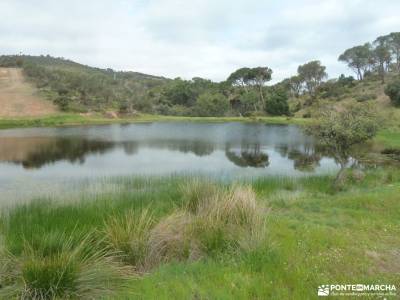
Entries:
{"x":19,"y":98}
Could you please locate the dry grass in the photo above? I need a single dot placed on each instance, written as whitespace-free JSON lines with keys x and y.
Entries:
{"x":211,"y":220}
{"x":172,"y":239}
{"x":214,"y":222}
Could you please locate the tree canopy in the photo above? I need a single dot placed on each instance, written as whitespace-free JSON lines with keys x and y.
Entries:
{"x":358,"y":59}
{"x":312,"y":74}
{"x":340,"y":130}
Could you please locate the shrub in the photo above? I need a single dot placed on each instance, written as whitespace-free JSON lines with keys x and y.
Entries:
{"x":67,"y":271}
{"x":365,"y":97}
{"x":179,"y":110}
{"x":63,"y":102}
{"x":346,"y":81}
{"x":276,"y":103}
{"x":393,"y":91}
{"x":211,"y":104}
{"x":249,"y":102}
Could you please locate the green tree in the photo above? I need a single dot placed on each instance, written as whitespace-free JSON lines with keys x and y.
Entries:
{"x":211,"y":104}
{"x":340,"y":130}
{"x":382,"y":55}
{"x":239,"y":78}
{"x":393,"y":91}
{"x":296,"y":85}
{"x":276,"y":103}
{"x":247,"y":78}
{"x":394,"y":42}
{"x":179,"y":92}
{"x":248,"y":102}
{"x":258,"y":77}
{"x":312,"y":74}
{"x":358,"y":59}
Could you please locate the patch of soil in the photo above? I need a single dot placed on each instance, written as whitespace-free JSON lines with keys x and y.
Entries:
{"x":19,"y":98}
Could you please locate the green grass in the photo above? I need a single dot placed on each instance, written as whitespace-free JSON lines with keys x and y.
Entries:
{"x":69,"y":119}
{"x":389,"y":138}
{"x":313,"y":236}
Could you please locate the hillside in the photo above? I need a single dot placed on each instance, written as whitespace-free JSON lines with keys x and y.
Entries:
{"x":19,"y":98}
{"x":77,"y":88}
{"x":80,"y":88}
{"x":332,"y":93}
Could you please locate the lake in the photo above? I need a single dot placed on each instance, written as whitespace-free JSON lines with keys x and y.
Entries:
{"x":217,"y":149}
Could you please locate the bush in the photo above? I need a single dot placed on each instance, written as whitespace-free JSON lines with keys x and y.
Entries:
{"x":248,"y":102}
{"x":393,"y":91}
{"x":63,"y":102}
{"x":346,"y":81}
{"x":179,"y":110}
{"x":211,"y":104}
{"x":365,"y":97}
{"x":276,"y":103}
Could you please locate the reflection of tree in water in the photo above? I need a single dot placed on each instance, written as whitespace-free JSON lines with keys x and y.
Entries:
{"x":304,"y":161}
{"x":197,"y":147}
{"x":130,"y":148}
{"x":250,"y":155}
{"x":76,"y":149}
{"x":73,"y":150}
{"x":306,"y":157}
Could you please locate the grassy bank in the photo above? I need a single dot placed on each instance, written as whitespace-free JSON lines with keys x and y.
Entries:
{"x":97,"y":119}
{"x":177,"y":237}
{"x":389,"y":138}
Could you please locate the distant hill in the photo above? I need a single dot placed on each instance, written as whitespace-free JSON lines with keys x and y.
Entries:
{"x":80,"y":88}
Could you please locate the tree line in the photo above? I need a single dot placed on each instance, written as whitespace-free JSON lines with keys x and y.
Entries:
{"x":380,"y":56}
{"x":245,"y":92}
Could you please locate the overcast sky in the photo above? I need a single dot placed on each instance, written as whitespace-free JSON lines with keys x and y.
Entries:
{"x":206,"y":38}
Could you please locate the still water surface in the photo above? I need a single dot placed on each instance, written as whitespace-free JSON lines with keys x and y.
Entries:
{"x":57,"y":162}
{"x":228,"y":149}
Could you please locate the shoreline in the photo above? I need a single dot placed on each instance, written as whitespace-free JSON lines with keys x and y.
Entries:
{"x":387,"y":137}
{"x":60,"y":120}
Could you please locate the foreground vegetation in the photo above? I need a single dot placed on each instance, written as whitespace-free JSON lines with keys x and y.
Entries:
{"x":200,"y":238}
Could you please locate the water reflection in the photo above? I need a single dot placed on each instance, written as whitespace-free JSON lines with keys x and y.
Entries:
{"x":34,"y":153}
{"x":249,"y":155}
{"x":160,"y":148}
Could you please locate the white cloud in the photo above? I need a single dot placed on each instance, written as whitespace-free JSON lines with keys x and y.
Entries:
{"x":195,"y":38}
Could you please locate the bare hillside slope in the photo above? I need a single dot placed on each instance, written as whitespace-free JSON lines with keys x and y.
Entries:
{"x":18,"y":98}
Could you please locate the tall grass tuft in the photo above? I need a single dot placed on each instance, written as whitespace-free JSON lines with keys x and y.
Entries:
{"x":129,"y":235}
{"x":172,"y":239}
{"x":209,"y":223}
{"x":232,"y":220}
{"x":67,"y":271}
{"x":197,"y":193}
